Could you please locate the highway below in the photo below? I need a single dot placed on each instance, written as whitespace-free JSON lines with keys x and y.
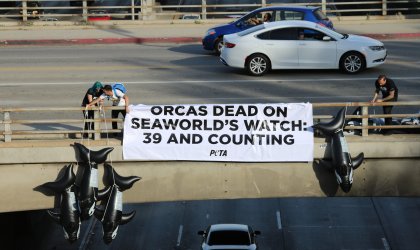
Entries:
{"x":184,"y":73}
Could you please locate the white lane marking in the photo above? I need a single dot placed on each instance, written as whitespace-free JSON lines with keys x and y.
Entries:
{"x":386,"y":245}
{"x":212,"y":81}
{"x":207,"y":216}
{"x":178,"y":242}
{"x":278,"y":220}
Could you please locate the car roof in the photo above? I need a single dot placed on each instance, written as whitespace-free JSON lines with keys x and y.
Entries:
{"x":236,"y":227}
{"x":287,"y":8}
{"x":291,"y":23}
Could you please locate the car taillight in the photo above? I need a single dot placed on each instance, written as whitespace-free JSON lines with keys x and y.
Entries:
{"x":230,"y":45}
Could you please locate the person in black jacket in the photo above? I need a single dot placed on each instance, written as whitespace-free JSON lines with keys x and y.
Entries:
{"x":389,"y":94}
{"x":91,"y":94}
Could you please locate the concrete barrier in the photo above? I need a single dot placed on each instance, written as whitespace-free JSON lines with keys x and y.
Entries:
{"x":391,"y":168}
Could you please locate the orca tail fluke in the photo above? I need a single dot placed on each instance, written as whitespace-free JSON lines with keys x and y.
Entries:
{"x":64,"y":182}
{"x":358,"y":160}
{"x":127,"y":217}
{"x":334,"y":125}
{"x":88,"y":155}
{"x":104,"y":193}
{"x":123,"y":183}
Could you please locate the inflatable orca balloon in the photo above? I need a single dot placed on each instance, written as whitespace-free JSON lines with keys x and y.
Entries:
{"x":88,"y":155}
{"x":342,"y":162}
{"x":110,"y":214}
{"x":69,"y":216}
{"x":87,"y":189}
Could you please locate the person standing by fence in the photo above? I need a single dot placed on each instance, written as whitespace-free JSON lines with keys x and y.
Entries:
{"x":389,"y":94}
{"x":91,"y":94}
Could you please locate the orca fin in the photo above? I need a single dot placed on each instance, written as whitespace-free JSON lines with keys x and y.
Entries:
{"x":125,"y":218}
{"x":358,"y":160}
{"x":64,"y":182}
{"x":88,"y":155}
{"x":54,"y":216}
{"x":123,"y":183}
{"x":334,"y":125}
{"x":104,"y":193}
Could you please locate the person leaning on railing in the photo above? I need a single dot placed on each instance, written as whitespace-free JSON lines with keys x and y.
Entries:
{"x":91,"y":94}
{"x":389,"y":94}
{"x":118,"y":98}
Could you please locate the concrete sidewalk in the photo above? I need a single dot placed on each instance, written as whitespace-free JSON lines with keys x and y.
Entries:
{"x":103,"y":32}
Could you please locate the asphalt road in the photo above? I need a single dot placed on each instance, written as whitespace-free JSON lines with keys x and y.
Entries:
{"x":286,"y":224}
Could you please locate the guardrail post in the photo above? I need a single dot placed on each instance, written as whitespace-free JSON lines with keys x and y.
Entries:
{"x":24,"y":10}
{"x":85,"y":11}
{"x":263,"y":3}
{"x":133,"y":10}
{"x":324,"y":6}
{"x":384,"y":8}
{"x":7,"y":127}
{"x":96,"y":124}
{"x":203,"y":9}
{"x":365,"y":121}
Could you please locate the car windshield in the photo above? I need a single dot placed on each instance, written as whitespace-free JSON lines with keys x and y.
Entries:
{"x":229,"y":237}
{"x":251,"y":30}
{"x":332,"y":32}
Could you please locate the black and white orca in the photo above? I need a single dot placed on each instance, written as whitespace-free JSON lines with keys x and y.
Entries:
{"x":87,"y":189}
{"x":342,"y":163}
{"x":88,"y":155}
{"x":110,"y":212}
{"x":69,"y":216}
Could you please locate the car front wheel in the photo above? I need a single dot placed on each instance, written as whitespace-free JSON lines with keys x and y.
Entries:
{"x":352,"y":63}
{"x":258,"y":65}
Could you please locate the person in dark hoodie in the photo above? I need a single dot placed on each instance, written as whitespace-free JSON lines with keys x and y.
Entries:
{"x":91,"y":94}
{"x":389,"y":92}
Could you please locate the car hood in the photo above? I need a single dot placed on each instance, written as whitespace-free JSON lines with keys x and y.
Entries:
{"x":364,"y":39}
{"x":222,"y":26}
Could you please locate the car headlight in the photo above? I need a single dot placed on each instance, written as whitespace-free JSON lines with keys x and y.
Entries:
{"x":376,"y":48}
{"x":210,"y":32}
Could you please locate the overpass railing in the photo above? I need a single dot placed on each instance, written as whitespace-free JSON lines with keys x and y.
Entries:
{"x":90,"y":10}
{"x":68,"y":122}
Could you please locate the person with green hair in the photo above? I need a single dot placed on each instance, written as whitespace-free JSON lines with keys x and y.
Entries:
{"x":91,"y":94}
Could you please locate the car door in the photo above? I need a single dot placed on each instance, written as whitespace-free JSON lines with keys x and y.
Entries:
{"x":315,"y":52}
{"x":280,"y":45}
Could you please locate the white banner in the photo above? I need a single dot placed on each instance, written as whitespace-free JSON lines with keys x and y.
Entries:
{"x":220,"y":132}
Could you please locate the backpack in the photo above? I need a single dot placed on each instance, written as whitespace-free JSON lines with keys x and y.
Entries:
{"x":120,"y":87}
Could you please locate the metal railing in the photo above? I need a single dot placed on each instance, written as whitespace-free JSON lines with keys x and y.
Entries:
{"x":26,"y":129}
{"x":90,"y":10}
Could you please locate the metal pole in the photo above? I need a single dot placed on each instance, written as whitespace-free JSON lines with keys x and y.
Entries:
{"x":7,"y":127}
{"x":96,"y":124}
{"x":24,"y":10}
{"x":203,"y":9}
{"x":324,"y":6}
{"x":384,"y":7}
{"x":133,"y":10}
{"x":365,"y":121}
{"x":85,"y":11}
{"x":263,"y":3}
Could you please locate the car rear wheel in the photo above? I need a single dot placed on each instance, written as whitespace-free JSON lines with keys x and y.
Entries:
{"x":218,"y":45}
{"x":352,"y":63}
{"x":258,"y":64}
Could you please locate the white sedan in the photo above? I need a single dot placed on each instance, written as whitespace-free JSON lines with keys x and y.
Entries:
{"x":229,"y":236}
{"x":300,"y":45}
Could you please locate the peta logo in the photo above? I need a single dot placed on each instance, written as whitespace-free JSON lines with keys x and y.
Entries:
{"x":221,"y":152}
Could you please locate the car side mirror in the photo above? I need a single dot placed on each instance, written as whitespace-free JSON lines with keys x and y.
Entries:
{"x":326,"y":38}
{"x":201,"y":232}
{"x":257,"y":232}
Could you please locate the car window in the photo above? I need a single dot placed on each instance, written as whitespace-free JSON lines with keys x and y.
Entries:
{"x":320,"y":15}
{"x":289,"y":15}
{"x":310,"y":34}
{"x":280,"y":34}
{"x":229,"y":237}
